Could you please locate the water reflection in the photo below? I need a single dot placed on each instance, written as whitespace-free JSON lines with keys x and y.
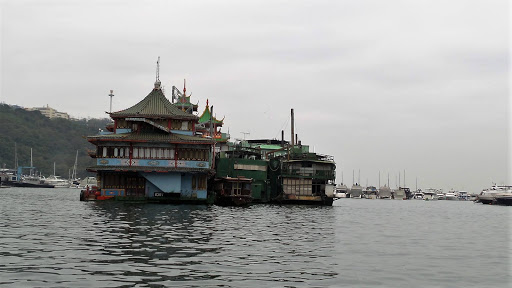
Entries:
{"x":67,"y":243}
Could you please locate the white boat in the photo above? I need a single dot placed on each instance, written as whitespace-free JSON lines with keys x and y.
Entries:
{"x":32,"y":179}
{"x":487,"y":196}
{"x":341,"y":191}
{"x":451,"y":195}
{"x":430,"y":194}
{"x":370,"y":192}
{"x":57,"y":181}
{"x":418,"y":195}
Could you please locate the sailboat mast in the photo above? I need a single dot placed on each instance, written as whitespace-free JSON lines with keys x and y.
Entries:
{"x":15,"y":157}
{"x":74,"y":167}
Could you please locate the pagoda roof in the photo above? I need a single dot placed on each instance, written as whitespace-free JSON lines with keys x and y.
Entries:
{"x":185,"y":101}
{"x":205,"y":117}
{"x":154,"y":105}
{"x":150,"y":137}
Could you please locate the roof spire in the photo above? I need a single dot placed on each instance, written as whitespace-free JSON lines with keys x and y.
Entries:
{"x":184,"y":87}
{"x":157,"y":82}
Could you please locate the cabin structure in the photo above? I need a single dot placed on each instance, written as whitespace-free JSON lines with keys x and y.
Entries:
{"x":153,"y":152}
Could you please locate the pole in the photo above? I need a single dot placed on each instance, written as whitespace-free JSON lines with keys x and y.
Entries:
{"x":293,"y":128}
{"x":111,"y":95}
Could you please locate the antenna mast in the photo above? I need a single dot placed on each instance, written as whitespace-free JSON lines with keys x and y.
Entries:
{"x":157,"y":81}
{"x":245,"y":133}
{"x":111,"y":95}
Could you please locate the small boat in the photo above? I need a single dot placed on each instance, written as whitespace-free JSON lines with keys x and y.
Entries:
{"x":463,"y":195}
{"x":341,"y":191}
{"x":56,"y":181}
{"x":430,"y":194}
{"x":451,"y":195}
{"x":356,"y":191}
{"x":384,"y":192}
{"x":418,"y":195}
{"x":400,"y":193}
{"x":370,"y":192}
{"x":231,"y":191}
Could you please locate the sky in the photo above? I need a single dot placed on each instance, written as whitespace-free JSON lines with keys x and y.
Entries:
{"x":411,"y":89}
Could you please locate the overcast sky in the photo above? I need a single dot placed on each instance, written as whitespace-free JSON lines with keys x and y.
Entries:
{"x":420,"y":86}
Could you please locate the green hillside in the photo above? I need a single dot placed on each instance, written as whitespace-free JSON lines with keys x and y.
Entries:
{"x":52,"y":141}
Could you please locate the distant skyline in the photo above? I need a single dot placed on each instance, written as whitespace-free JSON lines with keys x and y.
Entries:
{"x":420,"y":86}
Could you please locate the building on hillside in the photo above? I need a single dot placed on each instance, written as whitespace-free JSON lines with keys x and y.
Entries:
{"x":153,"y":153}
{"x":50,"y":112}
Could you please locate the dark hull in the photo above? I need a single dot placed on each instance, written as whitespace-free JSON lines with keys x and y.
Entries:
{"x":327,"y":201}
{"x":507,"y":201}
{"x":240,"y":200}
{"x":27,"y":185}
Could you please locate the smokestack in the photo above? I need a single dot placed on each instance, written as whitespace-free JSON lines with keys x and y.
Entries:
{"x":293,"y":129}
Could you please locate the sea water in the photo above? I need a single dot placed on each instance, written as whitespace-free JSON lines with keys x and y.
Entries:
{"x":48,"y":238}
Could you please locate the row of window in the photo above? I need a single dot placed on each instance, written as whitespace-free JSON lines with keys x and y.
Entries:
{"x":175,"y":125}
{"x":154,"y":153}
{"x":199,"y":182}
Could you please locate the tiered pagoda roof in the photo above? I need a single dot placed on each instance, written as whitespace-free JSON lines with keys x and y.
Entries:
{"x":184,"y":104}
{"x":155,"y":105}
{"x":205,"y":117}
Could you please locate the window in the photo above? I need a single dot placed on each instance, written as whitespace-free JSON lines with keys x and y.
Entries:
{"x":104,"y":151}
{"x":237,"y":188}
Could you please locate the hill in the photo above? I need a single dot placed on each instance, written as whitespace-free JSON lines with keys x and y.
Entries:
{"x":52,"y":141}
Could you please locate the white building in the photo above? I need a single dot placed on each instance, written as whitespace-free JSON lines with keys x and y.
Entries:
{"x":50,"y":112}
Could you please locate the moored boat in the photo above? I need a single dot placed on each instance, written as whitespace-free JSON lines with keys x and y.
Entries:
{"x":341,"y":191}
{"x":231,"y":191}
{"x":384,"y":192}
{"x":488,"y":196}
{"x":356,"y":191}
{"x":56,"y":182}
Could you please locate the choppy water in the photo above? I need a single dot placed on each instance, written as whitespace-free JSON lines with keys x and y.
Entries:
{"x":50,"y":239}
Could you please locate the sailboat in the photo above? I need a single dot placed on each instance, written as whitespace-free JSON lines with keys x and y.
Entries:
{"x":384,"y":191}
{"x":356,"y":191}
{"x":74,"y":182}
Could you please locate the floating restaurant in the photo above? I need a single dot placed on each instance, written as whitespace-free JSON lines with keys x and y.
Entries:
{"x":153,"y":152}
{"x":160,"y":151}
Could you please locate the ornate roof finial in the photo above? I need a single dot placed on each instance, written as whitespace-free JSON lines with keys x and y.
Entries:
{"x":206,"y":102}
{"x":157,"y":82}
{"x":184,"y":87}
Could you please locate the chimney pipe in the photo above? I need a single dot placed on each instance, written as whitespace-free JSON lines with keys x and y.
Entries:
{"x":293,"y":129}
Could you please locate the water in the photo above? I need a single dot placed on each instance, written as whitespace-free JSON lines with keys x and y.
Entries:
{"x":50,"y":239}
